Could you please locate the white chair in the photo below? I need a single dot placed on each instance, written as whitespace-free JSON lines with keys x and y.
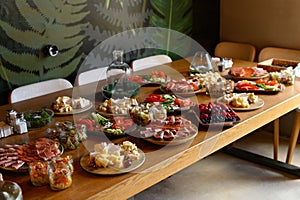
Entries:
{"x":38,"y":89}
{"x":93,"y":75}
{"x":287,"y":54}
{"x":242,"y":51}
{"x":151,"y":61}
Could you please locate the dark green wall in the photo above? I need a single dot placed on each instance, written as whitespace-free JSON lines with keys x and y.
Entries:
{"x":27,"y":26}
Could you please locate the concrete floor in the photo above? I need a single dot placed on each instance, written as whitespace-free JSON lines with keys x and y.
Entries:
{"x":224,"y":177}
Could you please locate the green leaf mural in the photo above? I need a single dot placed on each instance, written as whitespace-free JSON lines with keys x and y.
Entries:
{"x":111,"y":17}
{"x":55,"y":22}
{"x":172,"y":15}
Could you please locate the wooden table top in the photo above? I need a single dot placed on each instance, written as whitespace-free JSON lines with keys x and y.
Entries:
{"x":161,"y":162}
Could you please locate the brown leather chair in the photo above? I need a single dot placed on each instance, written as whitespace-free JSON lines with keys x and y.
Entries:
{"x":242,"y":51}
{"x":286,"y":54}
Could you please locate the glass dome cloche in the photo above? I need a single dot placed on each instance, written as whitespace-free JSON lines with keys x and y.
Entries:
{"x":118,"y":78}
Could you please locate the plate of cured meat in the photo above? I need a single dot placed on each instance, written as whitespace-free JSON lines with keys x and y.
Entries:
{"x":174,"y":130}
{"x":247,"y":73}
{"x":183,"y":87}
{"x":18,"y":157}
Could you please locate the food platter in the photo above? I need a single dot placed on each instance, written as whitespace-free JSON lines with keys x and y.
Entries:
{"x":145,"y":82}
{"x":259,"y":86}
{"x":187,"y":93}
{"x":75,"y":111}
{"x":25,"y":166}
{"x":247,"y":73}
{"x":247,"y":78}
{"x":217,"y":114}
{"x":252,"y":106}
{"x":176,"y":141}
{"x":111,"y":170}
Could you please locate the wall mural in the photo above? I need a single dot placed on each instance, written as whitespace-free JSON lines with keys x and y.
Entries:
{"x":75,"y":27}
{"x":48,"y":22}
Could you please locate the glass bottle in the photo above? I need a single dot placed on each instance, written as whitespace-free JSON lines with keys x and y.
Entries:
{"x":118,"y":75}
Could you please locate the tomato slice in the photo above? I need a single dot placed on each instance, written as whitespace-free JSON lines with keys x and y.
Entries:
{"x":154,"y":98}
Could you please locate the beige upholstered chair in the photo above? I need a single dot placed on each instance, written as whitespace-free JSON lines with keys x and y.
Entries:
{"x":93,"y":75}
{"x":275,"y":52}
{"x":150,"y":61}
{"x":242,"y":51}
{"x":38,"y":89}
{"x":287,"y":54}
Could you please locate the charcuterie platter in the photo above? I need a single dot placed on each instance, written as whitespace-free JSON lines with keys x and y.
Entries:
{"x":174,"y":130}
{"x":247,"y":73}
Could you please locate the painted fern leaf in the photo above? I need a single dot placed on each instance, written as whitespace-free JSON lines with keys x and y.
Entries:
{"x":172,"y":15}
{"x":68,"y":69}
{"x":57,"y":22}
{"x":32,"y":16}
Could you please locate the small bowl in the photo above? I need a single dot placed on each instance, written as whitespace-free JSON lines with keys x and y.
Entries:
{"x":38,"y":119}
{"x":10,"y":190}
{"x":130,"y":89}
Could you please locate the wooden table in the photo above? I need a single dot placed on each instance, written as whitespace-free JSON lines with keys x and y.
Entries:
{"x":161,"y":162}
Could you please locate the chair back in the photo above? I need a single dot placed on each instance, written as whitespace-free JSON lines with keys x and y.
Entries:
{"x":144,"y":63}
{"x":38,"y":89}
{"x":281,"y":53}
{"x":93,"y":75}
{"x":242,"y":51}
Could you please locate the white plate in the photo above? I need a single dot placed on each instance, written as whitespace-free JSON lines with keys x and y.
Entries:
{"x":175,"y":141}
{"x":109,"y":170}
{"x":75,"y":111}
{"x":253,"y":106}
{"x":202,"y":90}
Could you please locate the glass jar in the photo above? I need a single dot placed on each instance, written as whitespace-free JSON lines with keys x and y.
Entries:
{"x":157,"y":112}
{"x":38,"y":172}
{"x":60,"y":175}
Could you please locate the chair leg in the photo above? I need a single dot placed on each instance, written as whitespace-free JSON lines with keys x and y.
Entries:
{"x":276,"y":138}
{"x":294,"y":137}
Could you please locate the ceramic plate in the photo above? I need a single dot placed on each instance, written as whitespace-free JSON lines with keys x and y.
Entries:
{"x":109,"y":170}
{"x":260,"y":103}
{"x":202,"y":90}
{"x":25,"y":167}
{"x":176,"y":141}
{"x":75,"y":111}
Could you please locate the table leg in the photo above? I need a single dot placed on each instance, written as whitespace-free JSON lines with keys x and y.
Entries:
{"x":276,"y":138}
{"x":262,"y":160}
